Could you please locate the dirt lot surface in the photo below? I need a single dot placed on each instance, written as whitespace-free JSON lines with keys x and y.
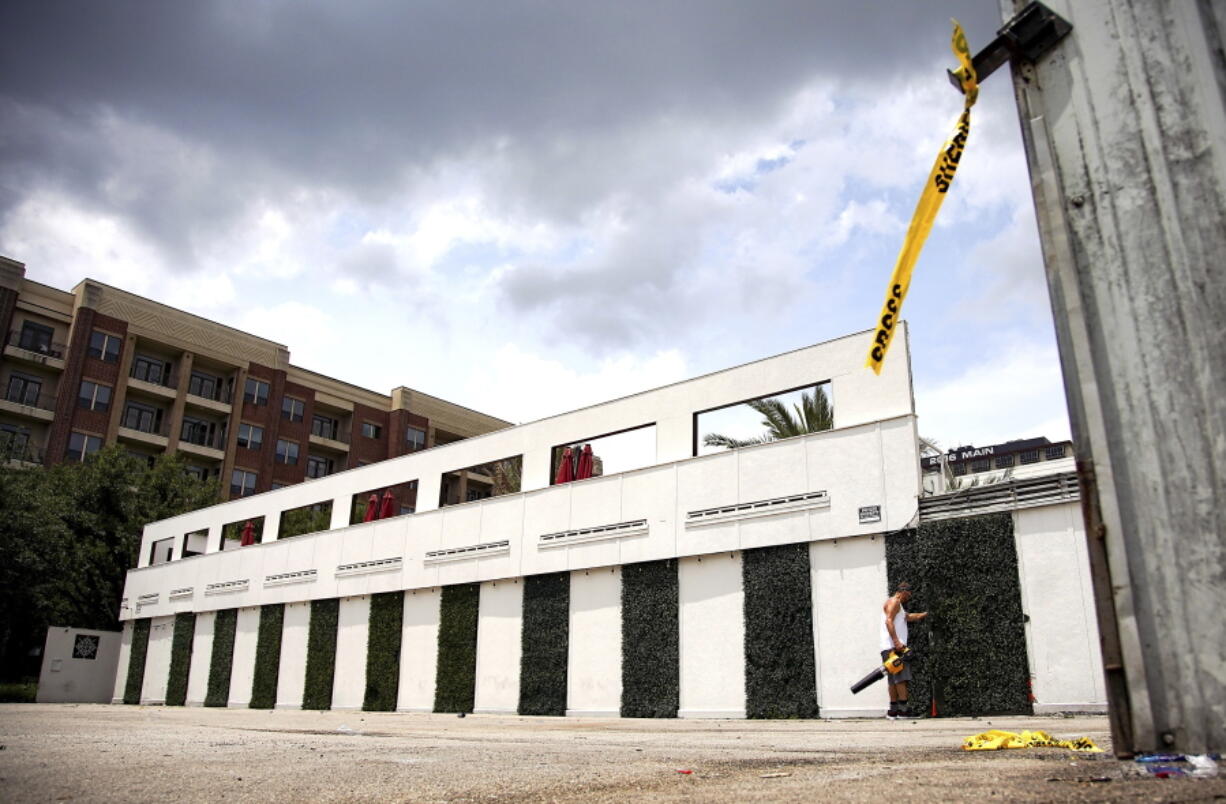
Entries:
{"x":118,"y":753}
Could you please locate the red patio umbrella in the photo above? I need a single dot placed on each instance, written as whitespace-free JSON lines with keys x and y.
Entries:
{"x":586,"y":464}
{"x":248,"y":537}
{"x":388,"y":509}
{"x":372,"y":508}
{"x":566,"y":469}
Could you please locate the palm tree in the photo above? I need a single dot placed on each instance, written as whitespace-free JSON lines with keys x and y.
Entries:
{"x":812,"y":415}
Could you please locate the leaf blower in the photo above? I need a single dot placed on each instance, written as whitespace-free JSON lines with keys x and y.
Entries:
{"x":893,"y":663}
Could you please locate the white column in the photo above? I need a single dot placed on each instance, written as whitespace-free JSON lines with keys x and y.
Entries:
{"x":202,"y":655}
{"x":242,"y":667}
{"x":157,"y":660}
{"x":594,"y":673}
{"x":121,"y":672}
{"x":499,"y":628}
{"x":291,"y":680}
{"x":849,"y":587}
{"x":419,"y":650}
{"x":712,"y":636}
{"x":352,"y":630}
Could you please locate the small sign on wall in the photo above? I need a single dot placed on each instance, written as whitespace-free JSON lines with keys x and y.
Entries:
{"x":870,"y":513}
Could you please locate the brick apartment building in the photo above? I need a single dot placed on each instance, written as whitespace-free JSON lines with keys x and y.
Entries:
{"x":99,"y":366}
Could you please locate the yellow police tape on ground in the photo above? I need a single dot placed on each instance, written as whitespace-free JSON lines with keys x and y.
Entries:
{"x":939,"y":180}
{"x":994,"y":740}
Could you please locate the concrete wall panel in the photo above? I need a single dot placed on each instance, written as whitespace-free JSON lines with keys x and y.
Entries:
{"x":157,"y":660}
{"x":712,"y":636}
{"x":594,"y":679}
{"x":202,"y":652}
{"x":419,"y":650}
{"x":499,"y":627}
{"x":352,"y":630}
{"x":291,"y":680}
{"x":242,"y":673}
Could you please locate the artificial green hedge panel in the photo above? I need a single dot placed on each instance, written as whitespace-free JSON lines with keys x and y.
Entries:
{"x":545,"y":640}
{"x":321,"y":654}
{"x":972,"y":648}
{"x":383,"y":652}
{"x":136,"y":661}
{"x":650,"y":637}
{"x":267,"y":657}
{"x":221,"y":662}
{"x":180,"y":658}
{"x":780,"y":679}
{"x":455,"y":681}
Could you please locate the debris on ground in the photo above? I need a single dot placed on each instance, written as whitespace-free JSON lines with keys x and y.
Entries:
{"x":995,"y":739}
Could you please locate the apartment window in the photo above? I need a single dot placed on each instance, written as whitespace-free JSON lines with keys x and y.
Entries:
{"x":255,"y":392}
{"x":242,"y":483}
{"x":81,"y":446}
{"x":14,"y":441}
{"x":94,"y":396}
{"x":287,"y":452}
{"x":277,"y":484}
{"x":198,"y":472}
{"x":319,"y":467}
{"x":36,"y":337}
{"x":1004,"y":461}
{"x":416,"y":438}
{"x":137,"y":416}
{"x":371,"y":430}
{"x":204,"y":385}
{"x":324,"y":426}
{"x":197,"y":431}
{"x":1055,"y":453}
{"x":250,"y":436}
{"x":292,"y":409}
{"x":959,"y":468}
{"x":981,"y":464}
{"x":104,"y":347}
{"x":1029,"y":456}
{"x":24,"y":390}
{"x":150,"y":369}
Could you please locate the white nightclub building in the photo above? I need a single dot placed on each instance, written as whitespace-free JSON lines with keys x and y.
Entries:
{"x":197,"y":628}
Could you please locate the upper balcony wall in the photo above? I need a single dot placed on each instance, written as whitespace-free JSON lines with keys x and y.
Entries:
{"x":858,"y":395}
{"x":801,"y":489}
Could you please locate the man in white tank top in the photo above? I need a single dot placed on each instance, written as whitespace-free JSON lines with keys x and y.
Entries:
{"x":894,"y":638}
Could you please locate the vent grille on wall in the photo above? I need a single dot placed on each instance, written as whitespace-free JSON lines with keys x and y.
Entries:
{"x":472,"y":551}
{"x":179,"y":594}
{"x":752,"y":510}
{"x":150,"y":599}
{"x":1027,"y":493}
{"x":227,"y":587}
{"x":286,"y":578}
{"x":619,"y":531}
{"x":367,"y":567}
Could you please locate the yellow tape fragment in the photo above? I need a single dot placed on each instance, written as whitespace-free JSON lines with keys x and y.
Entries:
{"x":994,"y":740}
{"x":939,"y":180}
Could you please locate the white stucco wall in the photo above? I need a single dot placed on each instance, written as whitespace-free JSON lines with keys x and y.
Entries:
{"x":121,"y":666}
{"x":593,"y":678}
{"x":352,"y":630}
{"x":291,"y":679}
{"x":499,"y":631}
{"x":712,"y":636}
{"x":157,"y":660}
{"x":419,"y":650}
{"x":242,"y":671}
{"x":848,"y":580}
{"x":1062,"y":635}
{"x":64,"y":679}
{"x":202,"y":654}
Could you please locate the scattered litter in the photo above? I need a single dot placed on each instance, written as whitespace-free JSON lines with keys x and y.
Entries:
{"x":685,"y":772}
{"x":1165,"y":771}
{"x":344,"y":729}
{"x":994,"y":739}
{"x":1161,"y":758}
{"x":1203,"y":766}
{"x":772,"y":775}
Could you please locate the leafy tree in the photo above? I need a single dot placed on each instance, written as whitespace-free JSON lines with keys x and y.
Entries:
{"x":68,"y":535}
{"x":812,"y":415}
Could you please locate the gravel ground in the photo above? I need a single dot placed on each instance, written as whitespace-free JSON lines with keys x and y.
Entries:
{"x":124,"y":753}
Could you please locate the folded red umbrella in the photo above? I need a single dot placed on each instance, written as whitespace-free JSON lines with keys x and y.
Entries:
{"x":586,"y":464}
{"x":248,"y":537}
{"x":372,"y":508}
{"x":388,"y":509}
{"x":566,"y":469}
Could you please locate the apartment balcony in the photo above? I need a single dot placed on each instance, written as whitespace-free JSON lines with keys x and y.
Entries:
{"x":49,"y":354}
{"x":28,"y":406}
{"x":214,"y":449}
{"x":21,"y":454}
{"x":164,"y":387}
{"x":334,"y":444}
{"x":149,"y":436}
{"x":852,"y":481}
{"x":219,"y":403}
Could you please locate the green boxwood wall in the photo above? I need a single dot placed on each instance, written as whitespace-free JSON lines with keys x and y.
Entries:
{"x":267,"y":657}
{"x":545,"y":641}
{"x":972,"y":648}
{"x":136,"y":661}
{"x":456,"y":677}
{"x":221,"y":661}
{"x":321,"y":654}
{"x":780,"y":679}
{"x":180,"y":658}
{"x":383,"y":652}
{"x":650,"y":632}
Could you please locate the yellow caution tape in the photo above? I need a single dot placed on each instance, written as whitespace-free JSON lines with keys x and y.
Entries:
{"x":939,"y":180}
{"x":994,"y":740}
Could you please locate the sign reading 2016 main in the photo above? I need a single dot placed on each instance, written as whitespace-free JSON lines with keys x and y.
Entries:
{"x":939,"y":181}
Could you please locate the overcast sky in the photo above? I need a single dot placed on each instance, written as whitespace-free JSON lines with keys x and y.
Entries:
{"x":526,"y":207}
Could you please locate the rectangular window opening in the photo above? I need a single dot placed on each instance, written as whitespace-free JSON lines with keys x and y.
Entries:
{"x":610,"y":454}
{"x":255,"y":392}
{"x":403,"y":501}
{"x":472,"y":483}
{"x":232,"y":532}
{"x":311,"y":518}
{"x":242,"y":483}
{"x":785,"y":414}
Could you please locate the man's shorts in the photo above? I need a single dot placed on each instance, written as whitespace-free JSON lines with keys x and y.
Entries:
{"x":901,"y":676}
